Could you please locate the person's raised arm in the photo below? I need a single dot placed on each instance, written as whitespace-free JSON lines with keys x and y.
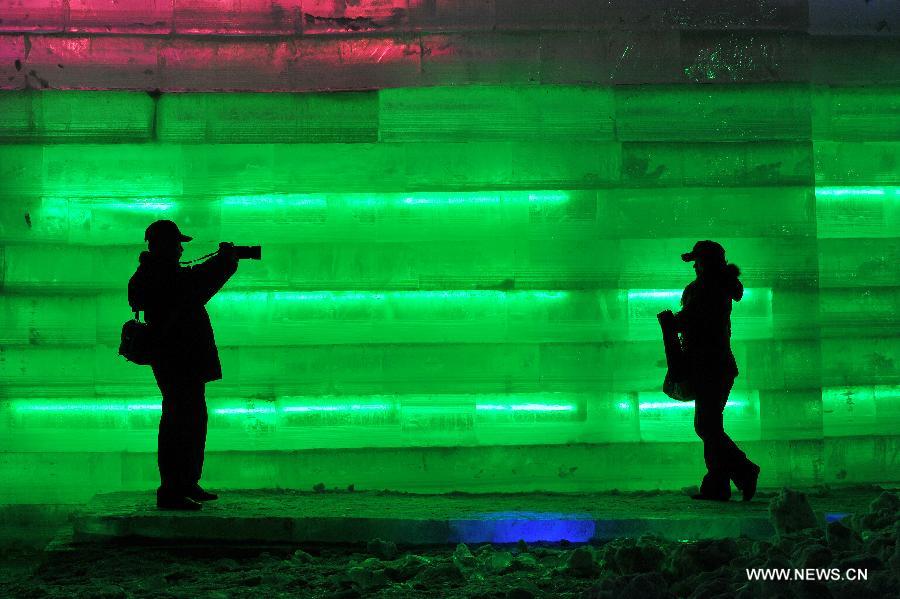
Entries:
{"x":204,"y":280}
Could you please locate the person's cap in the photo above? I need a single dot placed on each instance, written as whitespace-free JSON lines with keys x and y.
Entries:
{"x":164,"y":230}
{"x":704,"y":251}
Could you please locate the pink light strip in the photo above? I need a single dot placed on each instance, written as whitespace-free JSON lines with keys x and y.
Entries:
{"x":295,"y":17}
{"x":191,"y":64}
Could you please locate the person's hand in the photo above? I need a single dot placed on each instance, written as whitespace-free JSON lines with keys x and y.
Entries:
{"x":226,"y":249}
{"x":666,"y":317}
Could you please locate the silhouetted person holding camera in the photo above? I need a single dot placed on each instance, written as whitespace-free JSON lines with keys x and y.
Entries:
{"x":173,"y":298}
{"x":704,"y":323}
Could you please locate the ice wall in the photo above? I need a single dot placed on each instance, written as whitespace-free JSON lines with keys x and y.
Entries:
{"x":464,"y":250}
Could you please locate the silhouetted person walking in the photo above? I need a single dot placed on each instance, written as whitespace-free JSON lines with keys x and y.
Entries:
{"x":705,"y":326}
{"x":173,"y":298}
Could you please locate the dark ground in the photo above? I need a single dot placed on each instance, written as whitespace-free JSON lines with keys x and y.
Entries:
{"x":643,"y":568}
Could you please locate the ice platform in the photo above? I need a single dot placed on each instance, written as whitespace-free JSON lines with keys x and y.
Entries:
{"x":280,"y":516}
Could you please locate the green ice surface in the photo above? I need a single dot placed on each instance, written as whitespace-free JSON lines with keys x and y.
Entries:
{"x":455,"y":266}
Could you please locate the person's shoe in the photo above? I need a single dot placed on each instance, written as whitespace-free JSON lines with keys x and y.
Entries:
{"x":198,"y":494}
{"x":704,"y":496}
{"x":178,"y":502}
{"x":748,"y":483}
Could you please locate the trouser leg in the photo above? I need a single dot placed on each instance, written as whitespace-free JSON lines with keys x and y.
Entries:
{"x":169,"y":439}
{"x":196,"y":434}
{"x":182,"y":432}
{"x":724,"y":460}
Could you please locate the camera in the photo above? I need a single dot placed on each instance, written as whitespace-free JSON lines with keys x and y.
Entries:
{"x":247,"y":252}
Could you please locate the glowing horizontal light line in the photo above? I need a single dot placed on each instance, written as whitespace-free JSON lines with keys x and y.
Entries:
{"x":93,"y":407}
{"x":643,"y":295}
{"x":857,"y":191}
{"x":528,"y":407}
{"x":337,"y":408}
{"x":135,"y":206}
{"x":750,"y":294}
{"x":56,"y":206}
{"x":288,"y":200}
{"x":150,"y":407}
{"x":373,"y":296}
{"x":63,"y":406}
{"x":338,"y":200}
{"x":668,"y":405}
{"x":452,"y":200}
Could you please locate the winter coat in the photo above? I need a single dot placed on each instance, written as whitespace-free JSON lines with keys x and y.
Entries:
{"x":168,"y":292}
{"x":705,"y":323}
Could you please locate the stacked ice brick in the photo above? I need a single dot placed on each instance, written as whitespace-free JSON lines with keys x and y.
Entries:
{"x":470,"y":215}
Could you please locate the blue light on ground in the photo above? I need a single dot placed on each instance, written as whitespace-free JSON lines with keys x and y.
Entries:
{"x":834,"y":517}
{"x":531,"y":527}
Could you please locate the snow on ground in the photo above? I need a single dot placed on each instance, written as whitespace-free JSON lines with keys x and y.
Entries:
{"x":641,"y":568}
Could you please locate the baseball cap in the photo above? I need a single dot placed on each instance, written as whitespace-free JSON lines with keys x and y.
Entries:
{"x":164,"y":230}
{"x":705,"y":250}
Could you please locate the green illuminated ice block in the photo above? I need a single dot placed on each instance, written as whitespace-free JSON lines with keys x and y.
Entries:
{"x":204,"y":170}
{"x":49,"y":320}
{"x":751,"y":318}
{"x":742,"y":212}
{"x":861,"y":410}
{"x":409,"y":217}
{"x":503,"y":265}
{"x":663,"y":419}
{"x":468,"y":113}
{"x":268,"y":118}
{"x":704,"y":164}
{"x":862,"y":360}
{"x":289,"y":422}
{"x":859,"y":311}
{"x":333,"y":421}
{"x":865,"y":163}
{"x":859,"y":262}
{"x":864,"y":113}
{"x":858,"y":211}
{"x":713,"y":112}
{"x":304,"y":218}
{"x":75,"y":116}
{"x":466,"y":267}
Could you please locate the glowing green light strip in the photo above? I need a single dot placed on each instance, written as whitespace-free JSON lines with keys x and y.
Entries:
{"x":338,"y":408}
{"x":55,"y":207}
{"x":322,"y":201}
{"x":135,"y":206}
{"x":655,"y":294}
{"x":684,"y":405}
{"x":274,"y":201}
{"x":260,"y":297}
{"x":530,"y":407}
{"x":225,"y":411}
{"x":878,"y":192}
{"x":675,"y":294}
{"x":62,"y":406}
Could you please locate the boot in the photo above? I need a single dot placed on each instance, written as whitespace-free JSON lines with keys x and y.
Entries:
{"x":177,"y":502}
{"x":747,"y":482}
{"x":198,"y":494}
{"x":704,"y":496}
{"x":714,"y":487}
